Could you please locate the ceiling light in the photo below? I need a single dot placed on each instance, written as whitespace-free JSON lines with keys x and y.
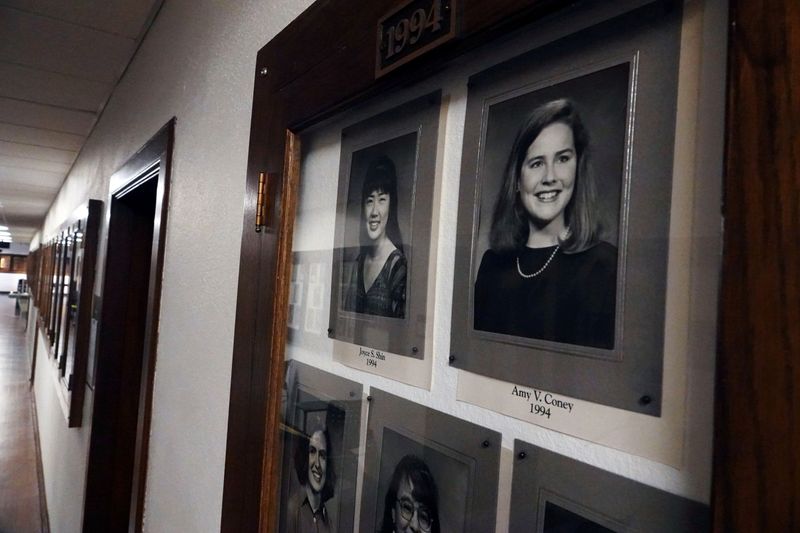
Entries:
{"x":5,"y":228}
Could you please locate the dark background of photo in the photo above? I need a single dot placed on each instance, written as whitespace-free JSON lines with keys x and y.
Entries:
{"x":602,"y":101}
{"x":560,"y":520}
{"x":450,"y":473}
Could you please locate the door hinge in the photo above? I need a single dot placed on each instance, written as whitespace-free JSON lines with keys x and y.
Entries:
{"x":266,"y":184}
{"x":261,"y":201}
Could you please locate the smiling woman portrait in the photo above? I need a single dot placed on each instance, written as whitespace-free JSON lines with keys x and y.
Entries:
{"x":315,"y":474}
{"x":548,"y":275}
{"x":377,"y":284}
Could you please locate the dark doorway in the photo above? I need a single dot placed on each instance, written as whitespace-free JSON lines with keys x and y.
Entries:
{"x":126,"y":350}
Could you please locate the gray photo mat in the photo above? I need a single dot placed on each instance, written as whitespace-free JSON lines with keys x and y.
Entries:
{"x":549,"y":497}
{"x":611,"y":501}
{"x":345,"y":396}
{"x":476,"y":447}
{"x":630,"y":375}
{"x":403,"y":336}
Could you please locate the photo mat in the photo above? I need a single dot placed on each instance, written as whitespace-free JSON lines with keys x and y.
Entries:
{"x":584,"y":322}
{"x":379,"y":271}
{"x":406,"y":441}
{"x":551,"y":493}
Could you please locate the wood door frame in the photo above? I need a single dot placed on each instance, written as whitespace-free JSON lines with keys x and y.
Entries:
{"x":135,"y":174}
{"x":298,"y":82}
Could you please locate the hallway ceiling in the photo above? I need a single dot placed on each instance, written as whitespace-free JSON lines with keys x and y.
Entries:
{"x":59,"y":62}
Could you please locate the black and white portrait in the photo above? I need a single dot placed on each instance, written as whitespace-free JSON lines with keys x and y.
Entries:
{"x":382,"y":239}
{"x":564,"y":213}
{"x":378,"y":229}
{"x":318,"y":481}
{"x":427,"y":471}
{"x":315,"y":452}
{"x":421,"y":487}
{"x":550,"y":195}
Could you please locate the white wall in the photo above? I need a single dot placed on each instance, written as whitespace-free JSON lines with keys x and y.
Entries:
{"x":8,"y":281}
{"x":197,"y":64}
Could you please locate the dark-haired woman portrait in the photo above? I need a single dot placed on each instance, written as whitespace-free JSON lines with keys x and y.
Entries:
{"x":377,"y":285}
{"x":412,"y":501}
{"x":548,"y":274}
{"x":312,"y":461}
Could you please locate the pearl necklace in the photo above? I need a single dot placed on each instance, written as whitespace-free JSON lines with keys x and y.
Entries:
{"x":529,"y":276}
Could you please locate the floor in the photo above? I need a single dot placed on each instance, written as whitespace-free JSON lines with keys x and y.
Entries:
{"x":20,"y":504}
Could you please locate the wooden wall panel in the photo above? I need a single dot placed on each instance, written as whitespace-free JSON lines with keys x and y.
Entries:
{"x":757,"y":438}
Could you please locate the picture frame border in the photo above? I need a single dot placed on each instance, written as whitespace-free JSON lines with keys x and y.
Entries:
{"x":465,"y":438}
{"x":348,"y":396}
{"x":629,"y":376}
{"x":617,"y":500}
{"x":397,"y":336}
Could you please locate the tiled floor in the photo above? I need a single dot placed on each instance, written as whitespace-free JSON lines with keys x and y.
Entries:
{"x":20,"y":509}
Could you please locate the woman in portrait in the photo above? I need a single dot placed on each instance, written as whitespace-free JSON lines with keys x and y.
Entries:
{"x":306,"y":511}
{"x":412,"y":501}
{"x":377,"y":284}
{"x":548,"y":274}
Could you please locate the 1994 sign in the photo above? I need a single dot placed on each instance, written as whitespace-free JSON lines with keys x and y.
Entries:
{"x":416,"y":27}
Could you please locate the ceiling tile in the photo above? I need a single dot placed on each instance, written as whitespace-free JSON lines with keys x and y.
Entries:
{"x":11,"y":176}
{"x":37,"y":152}
{"x":121,"y":17}
{"x":45,"y":117}
{"x":40,"y":137}
{"x":34,"y":164}
{"x":32,"y":85}
{"x":56,"y":46}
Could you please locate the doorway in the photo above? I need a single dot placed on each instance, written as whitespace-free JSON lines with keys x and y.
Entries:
{"x":126,"y":352}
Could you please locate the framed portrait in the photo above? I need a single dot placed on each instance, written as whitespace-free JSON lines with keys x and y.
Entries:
{"x":552,"y":493}
{"x":379,"y":277}
{"x":427,"y":471}
{"x":564,"y":209}
{"x":321,"y":430}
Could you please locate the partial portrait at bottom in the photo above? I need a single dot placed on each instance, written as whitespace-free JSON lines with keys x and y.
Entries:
{"x":322,"y":417}
{"x":553,"y":493}
{"x":426,"y":471}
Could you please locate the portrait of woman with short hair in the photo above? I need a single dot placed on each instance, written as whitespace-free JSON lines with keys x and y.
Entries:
{"x":412,"y":501}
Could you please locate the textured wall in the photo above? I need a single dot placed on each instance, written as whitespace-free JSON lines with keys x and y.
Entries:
{"x":197,"y":64}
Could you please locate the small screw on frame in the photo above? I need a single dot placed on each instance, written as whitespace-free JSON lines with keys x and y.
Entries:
{"x":263,"y":71}
{"x":522,"y":455}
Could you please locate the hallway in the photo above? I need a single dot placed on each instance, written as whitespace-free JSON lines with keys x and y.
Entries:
{"x":20,"y":505}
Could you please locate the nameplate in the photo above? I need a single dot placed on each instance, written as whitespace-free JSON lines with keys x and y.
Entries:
{"x":411,"y":30}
